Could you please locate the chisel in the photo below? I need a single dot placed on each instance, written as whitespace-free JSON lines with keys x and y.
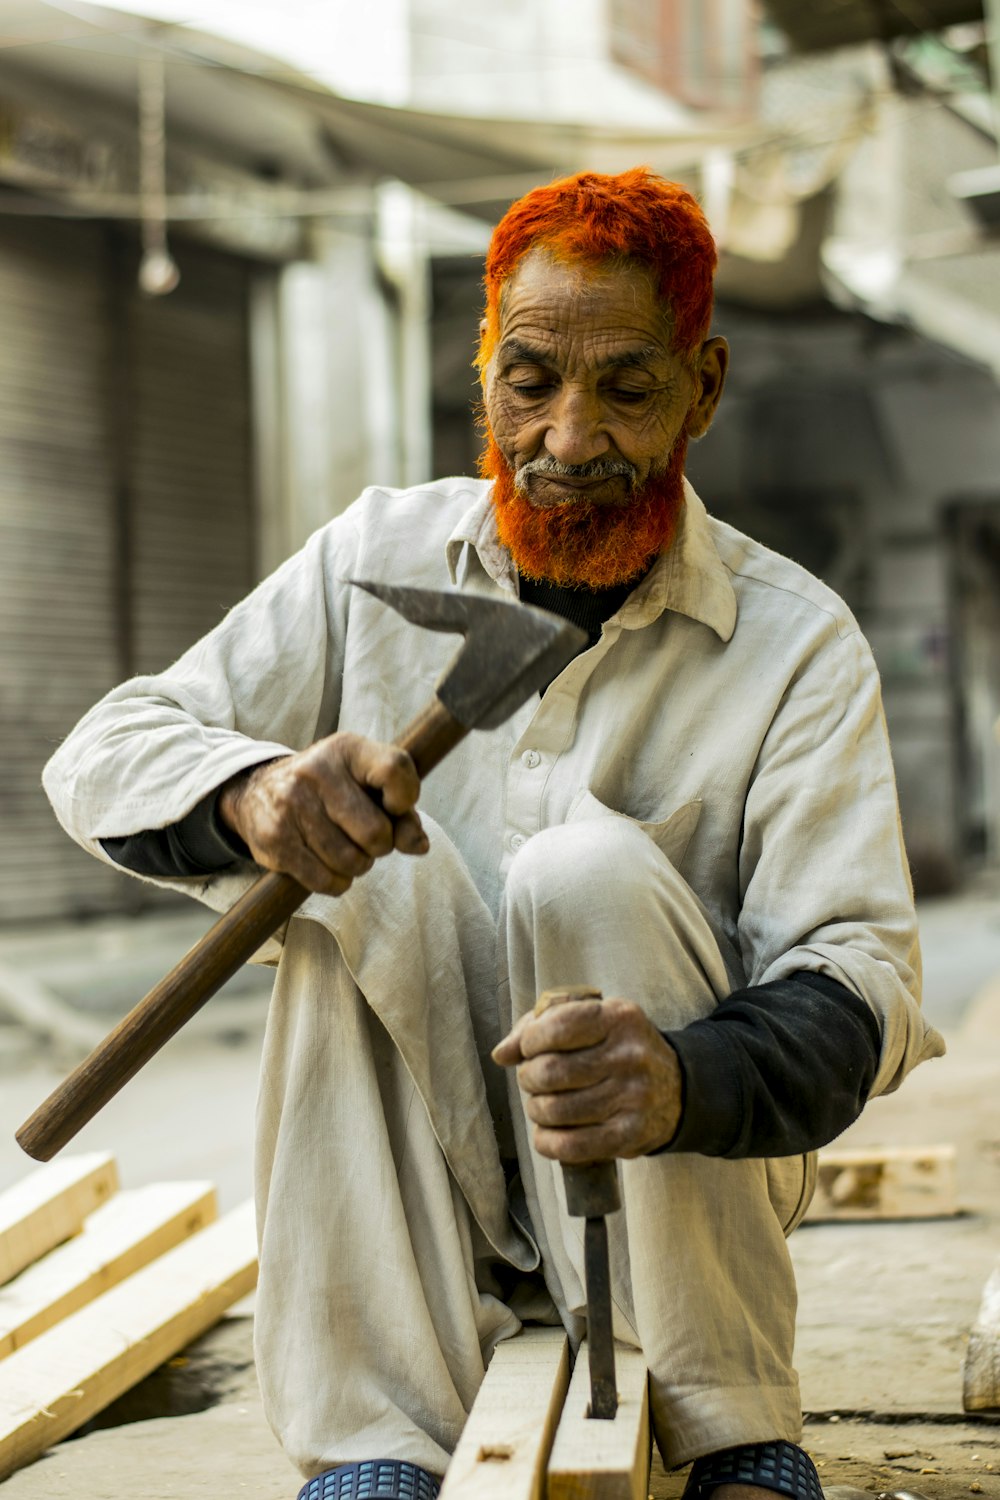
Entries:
{"x":591,"y":1194}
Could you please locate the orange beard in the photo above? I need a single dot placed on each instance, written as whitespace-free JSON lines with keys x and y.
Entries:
{"x":580,"y":542}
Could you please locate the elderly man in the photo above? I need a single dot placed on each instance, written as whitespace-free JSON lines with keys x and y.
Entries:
{"x":697,"y":816}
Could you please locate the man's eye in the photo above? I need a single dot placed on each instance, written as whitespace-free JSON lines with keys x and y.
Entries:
{"x":630,"y":397}
{"x":531,"y":389}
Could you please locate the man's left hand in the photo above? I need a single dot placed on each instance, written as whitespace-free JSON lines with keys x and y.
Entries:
{"x":599,"y":1080}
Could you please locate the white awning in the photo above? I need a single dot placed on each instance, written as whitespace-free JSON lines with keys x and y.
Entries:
{"x":258,"y":111}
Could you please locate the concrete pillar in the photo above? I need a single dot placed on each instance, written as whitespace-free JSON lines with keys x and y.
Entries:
{"x":325,"y":374}
{"x":404,"y":260}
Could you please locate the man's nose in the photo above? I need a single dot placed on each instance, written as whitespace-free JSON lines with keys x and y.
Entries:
{"x":575,"y":432}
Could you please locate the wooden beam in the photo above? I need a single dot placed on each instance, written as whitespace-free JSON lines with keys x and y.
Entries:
{"x":597,"y":1460}
{"x":504,"y":1446}
{"x":981,"y":1370}
{"x":128,"y":1232}
{"x":900,"y":1182}
{"x":50,"y":1205}
{"x":66,"y":1375}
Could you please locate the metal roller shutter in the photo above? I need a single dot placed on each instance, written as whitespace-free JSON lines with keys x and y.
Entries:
{"x":58,"y":651}
{"x":126,"y":521}
{"x":192,"y":523}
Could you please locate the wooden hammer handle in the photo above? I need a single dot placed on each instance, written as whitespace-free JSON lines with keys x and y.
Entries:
{"x":227,"y":945}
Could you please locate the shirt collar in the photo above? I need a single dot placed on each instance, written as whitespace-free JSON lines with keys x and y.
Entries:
{"x":477,"y":530}
{"x":689,"y":578}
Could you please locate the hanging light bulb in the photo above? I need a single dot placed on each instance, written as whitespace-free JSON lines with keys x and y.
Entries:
{"x":158,"y":271}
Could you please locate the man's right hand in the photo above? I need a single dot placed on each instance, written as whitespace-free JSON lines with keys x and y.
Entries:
{"x":312,"y":815}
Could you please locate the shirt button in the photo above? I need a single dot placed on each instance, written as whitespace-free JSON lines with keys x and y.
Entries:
{"x":531,"y":759}
{"x":517,"y":841}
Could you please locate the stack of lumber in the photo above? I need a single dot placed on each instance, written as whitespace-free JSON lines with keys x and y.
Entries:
{"x":100,"y":1287}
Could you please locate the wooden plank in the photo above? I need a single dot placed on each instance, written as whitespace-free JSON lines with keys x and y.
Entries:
{"x":596,"y":1460}
{"x":125,"y":1234}
{"x":66,"y":1375}
{"x":899,"y":1182}
{"x":981,"y":1370}
{"x":504,"y":1446}
{"x":49,"y":1205}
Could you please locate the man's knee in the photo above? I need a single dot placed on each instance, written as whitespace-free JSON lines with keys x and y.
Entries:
{"x":585,"y":857}
{"x":594,"y":867}
{"x":597,"y":902}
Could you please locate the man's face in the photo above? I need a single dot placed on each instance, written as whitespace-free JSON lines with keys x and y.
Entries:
{"x":589,"y":412}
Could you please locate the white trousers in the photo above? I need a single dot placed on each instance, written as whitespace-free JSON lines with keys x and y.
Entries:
{"x":395,"y":1253}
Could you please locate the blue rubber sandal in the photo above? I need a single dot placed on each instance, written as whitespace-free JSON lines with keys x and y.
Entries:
{"x":780,"y":1466}
{"x":372,"y":1479}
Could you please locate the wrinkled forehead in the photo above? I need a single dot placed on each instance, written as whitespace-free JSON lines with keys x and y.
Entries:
{"x":544,"y":286}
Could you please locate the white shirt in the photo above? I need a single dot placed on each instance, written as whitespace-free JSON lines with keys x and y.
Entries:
{"x":731,"y":706}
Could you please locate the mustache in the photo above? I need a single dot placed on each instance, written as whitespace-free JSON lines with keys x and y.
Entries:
{"x":597,"y":468}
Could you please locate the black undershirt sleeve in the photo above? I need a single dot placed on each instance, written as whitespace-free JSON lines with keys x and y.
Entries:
{"x":776,"y":1069}
{"x":200,"y":844}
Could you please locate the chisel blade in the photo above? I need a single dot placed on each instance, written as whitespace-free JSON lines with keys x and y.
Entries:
{"x":600,"y":1338}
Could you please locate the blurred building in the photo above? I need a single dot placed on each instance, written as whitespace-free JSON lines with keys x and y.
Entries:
{"x":645,"y":61}
{"x":159,"y":454}
{"x":862,"y":428}
{"x":861,"y":293}
{"x":127,"y":499}
{"x":703,"y":53}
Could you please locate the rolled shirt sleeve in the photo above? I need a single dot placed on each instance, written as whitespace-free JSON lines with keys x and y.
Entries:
{"x":265,"y":682}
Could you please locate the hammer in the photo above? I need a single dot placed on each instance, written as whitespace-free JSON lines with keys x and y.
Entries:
{"x":591,"y":1194}
{"x":509,"y":652}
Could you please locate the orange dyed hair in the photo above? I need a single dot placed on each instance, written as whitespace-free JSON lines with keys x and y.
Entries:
{"x":632,"y":216}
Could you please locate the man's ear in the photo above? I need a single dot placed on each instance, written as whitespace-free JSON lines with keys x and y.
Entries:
{"x":710,"y":379}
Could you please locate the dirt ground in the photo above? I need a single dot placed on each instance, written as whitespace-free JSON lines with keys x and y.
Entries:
{"x":884,"y":1315}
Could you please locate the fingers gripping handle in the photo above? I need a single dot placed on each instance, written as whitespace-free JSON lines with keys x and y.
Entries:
{"x":233,"y":939}
{"x":592,"y":1188}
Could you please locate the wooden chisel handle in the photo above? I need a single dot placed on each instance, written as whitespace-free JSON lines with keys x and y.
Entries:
{"x":227,"y":945}
{"x":591,"y":1187}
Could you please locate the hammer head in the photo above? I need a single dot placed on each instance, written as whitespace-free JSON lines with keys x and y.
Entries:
{"x":510,"y":650}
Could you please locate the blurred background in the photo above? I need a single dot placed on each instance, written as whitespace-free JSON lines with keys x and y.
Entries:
{"x":240,"y":261}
